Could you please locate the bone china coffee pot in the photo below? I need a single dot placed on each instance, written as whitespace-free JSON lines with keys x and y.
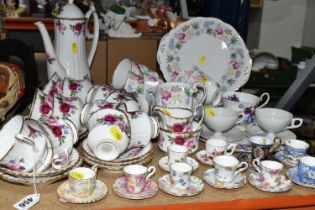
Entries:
{"x":69,"y":59}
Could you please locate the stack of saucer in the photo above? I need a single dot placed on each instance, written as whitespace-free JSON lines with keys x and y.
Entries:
{"x":136,"y":155}
{"x":49,"y":175}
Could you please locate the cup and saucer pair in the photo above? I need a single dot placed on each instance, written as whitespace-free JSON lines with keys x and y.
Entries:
{"x":280,"y":156}
{"x":258,"y":182}
{"x":149,"y":190}
{"x":293,"y":174}
{"x":238,"y":181}
{"x":163,"y":163}
{"x":66,"y":196}
{"x":195,"y":186}
{"x":136,"y":183}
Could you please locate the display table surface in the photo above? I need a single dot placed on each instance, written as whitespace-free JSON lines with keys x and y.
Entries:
{"x":247,"y":197}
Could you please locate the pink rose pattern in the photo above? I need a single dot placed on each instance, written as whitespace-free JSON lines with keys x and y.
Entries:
{"x":114,"y":119}
{"x":14,"y":164}
{"x":77,"y":28}
{"x":188,"y":140}
{"x":58,"y":129}
{"x":215,"y":29}
{"x":75,"y":87}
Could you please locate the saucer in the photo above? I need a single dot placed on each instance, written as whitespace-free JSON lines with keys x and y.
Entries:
{"x":254,"y":130}
{"x":203,"y":158}
{"x":65,"y":195}
{"x":196,"y":186}
{"x":294,"y":176}
{"x":284,"y":185}
{"x":150,"y":189}
{"x":281,"y":157}
{"x":163,"y":163}
{"x":237,"y":182}
{"x":234,"y":134}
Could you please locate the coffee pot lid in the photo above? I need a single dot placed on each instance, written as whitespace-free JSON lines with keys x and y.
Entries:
{"x":70,"y":11}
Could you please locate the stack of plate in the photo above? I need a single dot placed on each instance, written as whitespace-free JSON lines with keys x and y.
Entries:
{"x":48,"y":175}
{"x":137,"y":155}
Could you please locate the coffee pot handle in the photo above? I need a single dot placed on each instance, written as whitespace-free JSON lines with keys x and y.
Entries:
{"x":95,"y":35}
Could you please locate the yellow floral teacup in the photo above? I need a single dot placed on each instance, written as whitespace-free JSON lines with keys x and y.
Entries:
{"x":82,"y":181}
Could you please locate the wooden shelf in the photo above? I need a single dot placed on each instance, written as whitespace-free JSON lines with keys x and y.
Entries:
{"x":22,"y":23}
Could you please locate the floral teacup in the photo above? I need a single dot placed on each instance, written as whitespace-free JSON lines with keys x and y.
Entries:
{"x":54,"y":86}
{"x":42,"y":105}
{"x":178,"y":94}
{"x":188,"y":139}
{"x":76,"y":88}
{"x":68,"y":108}
{"x":179,"y":119}
{"x":245,"y":104}
{"x":136,"y":177}
{"x":269,"y":171}
{"x":180,"y":175}
{"x":99,"y":93}
{"x":109,"y":117}
{"x":122,"y":96}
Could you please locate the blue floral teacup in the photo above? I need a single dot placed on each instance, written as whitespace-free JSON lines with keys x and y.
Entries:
{"x":307,"y":169}
{"x":294,"y":150}
{"x":180,"y":175}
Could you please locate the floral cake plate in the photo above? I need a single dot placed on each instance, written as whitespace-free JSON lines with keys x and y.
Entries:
{"x":204,"y":48}
{"x":237,"y":182}
{"x":293,"y":174}
{"x":255,"y":180}
{"x":65,"y":195}
{"x":163,"y":163}
{"x":196,"y":186}
{"x":150,"y":189}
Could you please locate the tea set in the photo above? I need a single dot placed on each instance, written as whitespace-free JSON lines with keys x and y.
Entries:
{"x":114,"y":124}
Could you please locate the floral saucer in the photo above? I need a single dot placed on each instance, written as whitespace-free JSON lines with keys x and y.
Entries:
{"x":65,"y":195}
{"x":150,"y":189}
{"x":281,"y":157}
{"x":203,"y":158}
{"x":237,"y":182}
{"x":163,"y":163}
{"x":196,"y":186}
{"x":255,"y":180}
{"x":293,"y":174}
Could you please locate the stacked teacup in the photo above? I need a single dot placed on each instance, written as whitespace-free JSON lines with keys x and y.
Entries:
{"x":118,"y":131}
{"x":41,"y":148}
{"x":178,"y":112}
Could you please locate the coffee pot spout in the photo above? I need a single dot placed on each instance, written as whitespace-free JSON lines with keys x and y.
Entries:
{"x":53,"y":63}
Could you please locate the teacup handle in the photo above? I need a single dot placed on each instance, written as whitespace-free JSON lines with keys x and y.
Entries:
{"x":243,"y":166}
{"x":256,"y":165}
{"x":199,"y":110}
{"x":26,"y":139}
{"x":295,"y":123}
{"x":264,"y":95}
{"x":121,"y":106}
{"x":94,"y":168}
{"x":61,"y":162}
{"x":151,"y":171}
{"x":202,"y":87}
{"x":275,"y":145}
{"x":230,"y":148}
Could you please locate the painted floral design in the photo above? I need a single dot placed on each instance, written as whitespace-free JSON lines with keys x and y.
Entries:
{"x":165,"y":95}
{"x":74,"y":86}
{"x":247,"y":115}
{"x":135,"y":115}
{"x":45,"y":108}
{"x":171,"y":50}
{"x":56,"y":88}
{"x":50,"y":58}
{"x":233,"y":97}
{"x":14,"y":164}
{"x":134,"y":183}
{"x":67,"y":109}
{"x":114,"y":119}
{"x":34,"y":133}
{"x":61,"y":27}
{"x":185,"y":140}
{"x":77,"y":28}
{"x":59,"y":131}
